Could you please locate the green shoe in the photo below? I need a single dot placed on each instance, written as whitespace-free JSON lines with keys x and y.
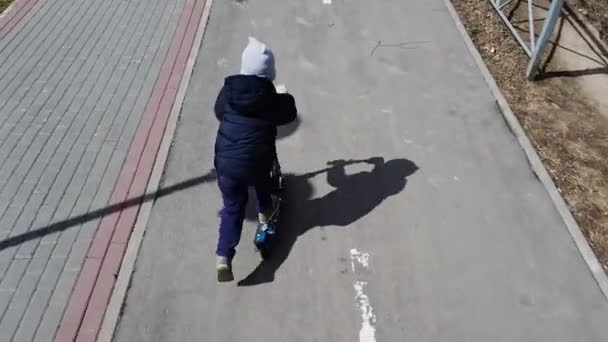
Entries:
{"x":224,"y":269}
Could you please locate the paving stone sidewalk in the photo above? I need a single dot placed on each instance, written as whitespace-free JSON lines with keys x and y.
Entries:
{"x":75,"y":77}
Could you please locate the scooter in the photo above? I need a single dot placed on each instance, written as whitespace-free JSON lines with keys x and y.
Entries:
{"x":266,"y":240}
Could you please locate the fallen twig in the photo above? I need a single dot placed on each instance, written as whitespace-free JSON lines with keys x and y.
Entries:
{"x":403,"y":45}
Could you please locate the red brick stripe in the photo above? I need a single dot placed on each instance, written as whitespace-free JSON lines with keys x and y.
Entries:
{"x":84,"y":314}
{"x":14,"y":16}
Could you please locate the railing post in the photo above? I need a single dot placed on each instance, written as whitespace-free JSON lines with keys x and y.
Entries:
{"x":545,"y":35}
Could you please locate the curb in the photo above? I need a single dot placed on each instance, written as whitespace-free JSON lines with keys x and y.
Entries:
{"x":13,"y":14}
{"x":8,"y":9}
{"x":113,"y":311}
{"x":534,"y":160}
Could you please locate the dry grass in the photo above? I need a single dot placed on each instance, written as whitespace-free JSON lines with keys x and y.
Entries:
{"x":568,"y":133}
{"x":4,"y":4}
{"x":596,"y":11}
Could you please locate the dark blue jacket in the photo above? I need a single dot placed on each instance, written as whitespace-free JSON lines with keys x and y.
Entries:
{"x":249,"y":110}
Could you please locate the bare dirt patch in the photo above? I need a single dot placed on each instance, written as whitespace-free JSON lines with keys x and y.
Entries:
{"x":567,"y":129}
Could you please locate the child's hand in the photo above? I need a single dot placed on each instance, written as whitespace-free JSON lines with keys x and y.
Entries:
{"x":281,"y":89}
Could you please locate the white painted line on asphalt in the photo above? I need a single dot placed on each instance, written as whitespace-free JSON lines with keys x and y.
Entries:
{"x":112,"y":315}
{"x":361,"y":258}
{"x":367,"y":333}
{"x":327,"y":2}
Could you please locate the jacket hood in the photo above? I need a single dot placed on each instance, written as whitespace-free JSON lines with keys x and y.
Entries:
{"x":249,"y":95}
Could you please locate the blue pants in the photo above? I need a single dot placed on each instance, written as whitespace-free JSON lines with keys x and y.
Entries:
{"x":234,"y":195}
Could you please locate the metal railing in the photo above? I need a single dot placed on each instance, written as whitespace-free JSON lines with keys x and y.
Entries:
{"x":536,"y":46}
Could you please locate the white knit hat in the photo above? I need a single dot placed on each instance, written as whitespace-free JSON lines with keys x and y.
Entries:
{"x":257,"y":60}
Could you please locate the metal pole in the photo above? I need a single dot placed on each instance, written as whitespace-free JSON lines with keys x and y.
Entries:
{"x":545,"y":34}
{"x":531,"y":23}
{"x":511,"y":28}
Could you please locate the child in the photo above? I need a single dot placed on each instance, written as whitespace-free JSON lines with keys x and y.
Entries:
{"x":249,"y":110}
